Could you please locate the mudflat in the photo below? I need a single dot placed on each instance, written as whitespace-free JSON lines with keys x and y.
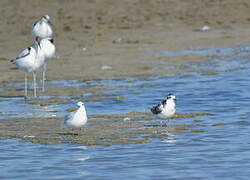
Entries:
{"x":109,"y":38}
{"x":113,"y":39}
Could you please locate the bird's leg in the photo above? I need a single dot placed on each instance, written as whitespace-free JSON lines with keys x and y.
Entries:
{"x":168,"y":127}
{"x":34,"y":83}
{"x":168,"y":122}
{"x":44,"y":76}
{"x":162,"y":123}
{"x":25,"y":85}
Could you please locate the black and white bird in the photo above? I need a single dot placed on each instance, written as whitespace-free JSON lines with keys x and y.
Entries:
{"x":166,"y":108}
{"x":48,"y":47}
{"x":30,"y":60}
{"x":42,"y":28}
{"x":78,"y":118}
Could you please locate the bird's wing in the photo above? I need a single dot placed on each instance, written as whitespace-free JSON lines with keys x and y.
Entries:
{"x":69,"y":117}
{"x":163,"y":103}
{"x":36,"y":22}
{"x":24,"y":53}
{"x":157,"y":109}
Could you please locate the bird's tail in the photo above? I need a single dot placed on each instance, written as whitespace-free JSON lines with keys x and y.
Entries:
{"x":13,"y":62}
{"x":153,"y":110}
{"x":14,"y":68}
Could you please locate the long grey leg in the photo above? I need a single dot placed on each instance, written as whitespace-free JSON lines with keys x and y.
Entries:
{"x":34,"y":83}
{"x":44,"y":76}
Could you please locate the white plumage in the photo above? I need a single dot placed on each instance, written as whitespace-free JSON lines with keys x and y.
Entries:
{"x":36,"y":56}
{"x":166,"y":108}
{"x":78,"y":118}
{"x":30,"y":60}
{"x":42,"y":33}
{"x":48,"y":48}
{"x":25,"y":61}
{"x":42,"y":28}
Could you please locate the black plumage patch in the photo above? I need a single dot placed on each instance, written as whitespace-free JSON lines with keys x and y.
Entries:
{"x":51,"y":40}
{"x":36,"y":22}
{"x":156,"y":109}
{"x":164,"y":102}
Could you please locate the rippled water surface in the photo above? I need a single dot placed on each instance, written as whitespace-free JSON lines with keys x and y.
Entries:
{"x":221,"y":150}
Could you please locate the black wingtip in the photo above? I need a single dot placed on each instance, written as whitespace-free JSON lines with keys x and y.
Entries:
{"x":154,"y":110}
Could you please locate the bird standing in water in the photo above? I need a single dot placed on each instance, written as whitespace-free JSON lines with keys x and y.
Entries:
{"x":48,"y":48}
{"x":76,"y":119}
{"x":166,"y":108}
{"x":42,"y":29}
{"x":30,"y":60}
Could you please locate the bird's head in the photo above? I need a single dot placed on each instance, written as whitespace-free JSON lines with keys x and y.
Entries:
{"x":171,"y":96}
{"x":80,"y":103}
{"x":46,"y":17}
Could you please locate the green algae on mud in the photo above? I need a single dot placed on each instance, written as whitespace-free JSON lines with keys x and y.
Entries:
{"x":103,"y":130}
{"x":218,"y":124}
{"x":115,"y":98}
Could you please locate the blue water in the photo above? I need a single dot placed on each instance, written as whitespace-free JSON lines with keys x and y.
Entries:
{"x":220,"y":152}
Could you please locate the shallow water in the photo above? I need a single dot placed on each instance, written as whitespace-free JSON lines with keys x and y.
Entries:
{"x":220,"y":150}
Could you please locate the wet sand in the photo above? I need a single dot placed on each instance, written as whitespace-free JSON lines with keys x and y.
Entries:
{"x":123,"y":35}
{"x":134,"y":127}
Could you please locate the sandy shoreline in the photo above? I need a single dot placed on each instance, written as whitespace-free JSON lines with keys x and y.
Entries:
{"x":112,"y":129}
{"x":89,"y":36}
{"x":122,"y":36}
